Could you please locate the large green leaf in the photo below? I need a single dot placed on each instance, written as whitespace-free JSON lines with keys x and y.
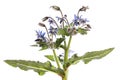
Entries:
{"x":96,"y":55}
{"x":38,"y":67}
{"x":87,"y":57}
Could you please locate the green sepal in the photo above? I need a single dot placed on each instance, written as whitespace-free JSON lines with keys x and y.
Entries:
{"x":82,"y":31}
{"x":50,"y":57}
{"x":89,"y":56}
{"x":36,"y":66}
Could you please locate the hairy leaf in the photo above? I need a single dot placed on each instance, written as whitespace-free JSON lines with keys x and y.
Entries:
{"x":82,"y":31}
{"x":38,"y":67}
{"x":63,"y":31}
{"x":62,"y":46}
{"x":43,"y":45}
{"x":58,"y":42}
{"x":87,"y":57}
{"x":73,"y":60}
{"x":95,"y":55}
{"x":50,"y":57}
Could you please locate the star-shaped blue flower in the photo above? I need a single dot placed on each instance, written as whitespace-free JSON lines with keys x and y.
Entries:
{"x":41,"y":35}
{"x":50,"y":21}
{"x":53,"y":31}
{"x":76,"y":20}
{"x":60,"y":19}
{"x":79,"y":20}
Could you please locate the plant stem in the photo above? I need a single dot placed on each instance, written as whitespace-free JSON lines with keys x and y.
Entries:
{"x":66,"y":75}
{"x":56,"y":58}
{"x":54,"y":22}
{"x":67,"y":50}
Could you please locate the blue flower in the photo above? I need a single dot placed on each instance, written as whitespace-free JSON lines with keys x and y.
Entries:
{"x":79,"y":20}
{"x":53,"y":31}
{"x":50,"y":21}
{"x":60,"y":19}
{"x":40,"y":36}
{"x":76,"y":20}
{"x":83,"y":20}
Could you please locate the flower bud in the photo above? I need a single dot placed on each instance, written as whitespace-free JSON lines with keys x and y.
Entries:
{"x":56,"y":8}
{"x":84,"y":8}
{"x":45,"y":18}
{"x":42,"y":25}
{"x":88,"y":26}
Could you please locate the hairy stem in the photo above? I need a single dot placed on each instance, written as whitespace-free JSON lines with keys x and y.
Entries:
{"x":67,"y":50}
{"x":47,"y":32}
{"x":66,"y":75}
{"x":54,"y":22}
{"x":56,"y":58}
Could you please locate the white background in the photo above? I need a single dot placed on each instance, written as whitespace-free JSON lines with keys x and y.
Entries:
{"x":19,"y":19}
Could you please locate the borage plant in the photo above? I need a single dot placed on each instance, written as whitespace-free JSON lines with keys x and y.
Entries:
{"x":59,"y":36}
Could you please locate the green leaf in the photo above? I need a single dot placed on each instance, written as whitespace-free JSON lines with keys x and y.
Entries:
{"x":38,"y":67}
{"x":73,"y":60}
{"x":61,"y":31}
{"x":82,"y":31}
{"x":44,"y":47}
{"x":27,"y":65}
{"x":62,"y":46}
{"x":50,"y":57}
{"x":58,"y":42}
{"x":89,"y":56}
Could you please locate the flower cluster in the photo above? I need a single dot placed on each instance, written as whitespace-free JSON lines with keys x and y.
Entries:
{"x":62,"y":27}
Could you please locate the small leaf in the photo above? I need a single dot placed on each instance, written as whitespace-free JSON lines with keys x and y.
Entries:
{"x":62,"y":46}
{"x":73,"y":60}
{"x":50,"y":57}
{"x":43,"y":45}
{"x":89,"y":56}
{"x":82,"y":31}
{"x":63,"y":31}
{"x":58,"y":42}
